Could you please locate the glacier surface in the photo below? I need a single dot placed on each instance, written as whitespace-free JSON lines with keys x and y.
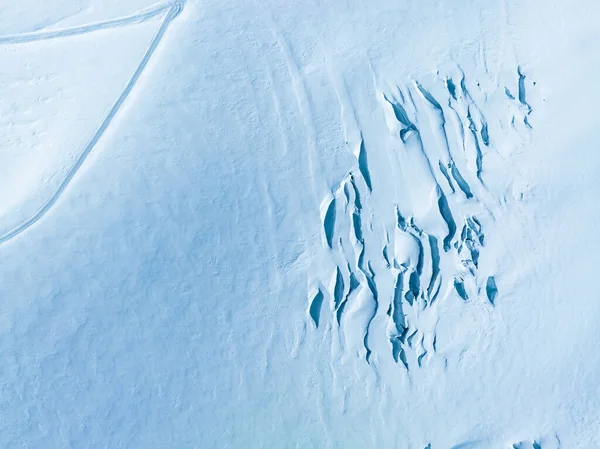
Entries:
{"x":285,"y":224}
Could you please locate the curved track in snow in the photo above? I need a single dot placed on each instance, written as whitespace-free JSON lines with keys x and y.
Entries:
{"x":171,"y":11}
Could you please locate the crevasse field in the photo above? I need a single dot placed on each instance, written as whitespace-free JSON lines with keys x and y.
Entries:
{"x":299,"y":224}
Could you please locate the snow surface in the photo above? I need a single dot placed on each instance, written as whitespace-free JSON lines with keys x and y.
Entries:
{"x":284,"y":224}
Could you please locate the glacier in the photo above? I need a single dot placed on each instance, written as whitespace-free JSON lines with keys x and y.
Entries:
{"x":285,"y":224}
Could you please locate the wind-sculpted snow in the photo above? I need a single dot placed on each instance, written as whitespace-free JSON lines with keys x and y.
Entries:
{"x":552,"y":442}
{"x":439,"y":138}
{"x":275,"y":224}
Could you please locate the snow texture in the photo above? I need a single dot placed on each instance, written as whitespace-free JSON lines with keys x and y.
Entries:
{"x":279,"y":224}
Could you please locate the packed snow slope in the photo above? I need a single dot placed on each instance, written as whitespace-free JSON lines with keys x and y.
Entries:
{"x":279,"y":224}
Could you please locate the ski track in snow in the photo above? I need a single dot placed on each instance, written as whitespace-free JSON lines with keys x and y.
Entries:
{"x":90,"y":28}
{"x":171,"y":11}
{"x":433,"y":249}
